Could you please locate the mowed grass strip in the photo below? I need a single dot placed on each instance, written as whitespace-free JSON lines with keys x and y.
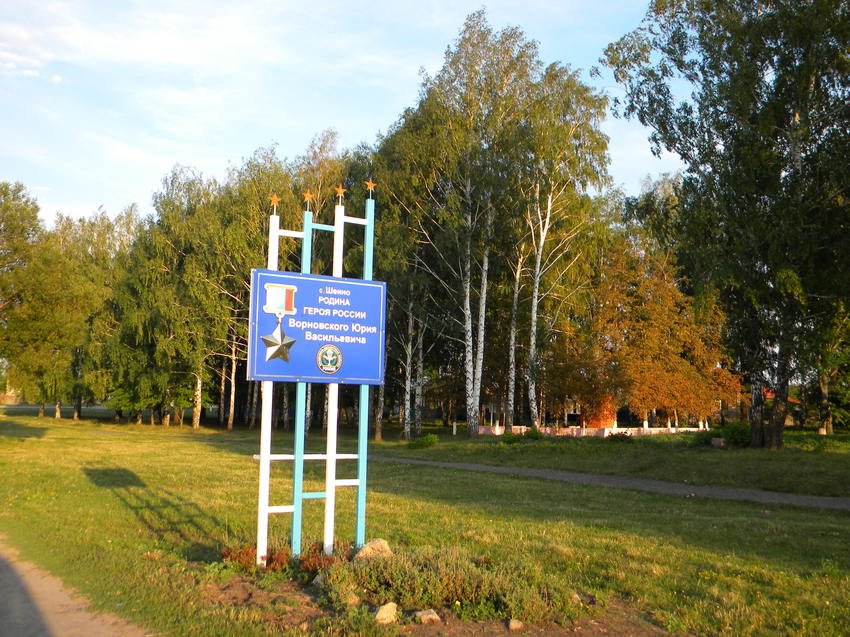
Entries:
{"x":809,"y":464}
{"x":131,"y":516}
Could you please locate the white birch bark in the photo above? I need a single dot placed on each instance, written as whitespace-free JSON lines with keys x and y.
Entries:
{"x":408,"y":367}
{"x":511,"y":397}
{"x":232,"y":406}
{"x":539,"y":224}
{"x":420,"y":378}
{"x":197,"y":402}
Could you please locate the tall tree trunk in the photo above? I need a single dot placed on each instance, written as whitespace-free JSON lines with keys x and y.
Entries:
{"x":511,"y":392}
{"x":756,"y":414}
{"x":325,"y":411}
{"x":41,"y":410}
{"x":468,"y":343}
{"x":408,"y":366}
{"x":539,"y":230}
{"x":379,"y":412}
{"x":252,"y":405}
{"x":221,"y":390}
{"x":824,"y":407}
{"x":474,"y":346}
{"x":283,"y":414}
{"x":231,"y":412}
{"x":780,"y":401}
{"x":420,"y":378}
{"x":382,"y":390}
{"x":482,"y":325}
{"x":197,"y":402}
{"x":308,"y":408}
{"x":78,"y":407}
{"x":57,"y":410}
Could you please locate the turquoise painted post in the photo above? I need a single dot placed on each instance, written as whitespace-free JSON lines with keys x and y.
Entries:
{"x":298,"y":467}
{"x":300,"y":407}
{"x":363,"y":424}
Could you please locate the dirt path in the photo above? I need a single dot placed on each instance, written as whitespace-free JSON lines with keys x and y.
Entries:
{"x":643,"y":484}
{"x":34,"y":603}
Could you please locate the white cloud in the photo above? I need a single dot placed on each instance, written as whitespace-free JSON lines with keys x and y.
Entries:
{"x":201,"y":36}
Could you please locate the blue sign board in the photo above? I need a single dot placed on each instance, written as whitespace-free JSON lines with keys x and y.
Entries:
{"x":316,"y":329}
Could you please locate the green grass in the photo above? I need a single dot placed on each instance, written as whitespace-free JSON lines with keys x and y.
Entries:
{"x":135,"y":517}
{"x":809,"y":464}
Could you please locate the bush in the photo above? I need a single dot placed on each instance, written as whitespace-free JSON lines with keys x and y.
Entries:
{"x":423,"y":442}
{"x":736,"y":434}
{"x":533,"y":434}
{"x":703,"y":438}
{"x":472,"y":588}
{"x":620,"y":437}
{"x":510,"y":438}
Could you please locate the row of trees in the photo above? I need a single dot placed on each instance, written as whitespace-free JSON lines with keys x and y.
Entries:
{"x":516,"y":289}
{"x":755,"y":98}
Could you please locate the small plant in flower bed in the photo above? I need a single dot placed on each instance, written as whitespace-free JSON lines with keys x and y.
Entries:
{"x":450,"y":579}
{"x":245,"y":557}
{"x":314,"y":559}
{"x":423,"y":442}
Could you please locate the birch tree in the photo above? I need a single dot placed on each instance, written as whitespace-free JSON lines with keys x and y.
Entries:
{"x":562,"y":155}
{"x":453,"y":147}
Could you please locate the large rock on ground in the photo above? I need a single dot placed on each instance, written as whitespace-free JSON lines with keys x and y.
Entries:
{"x":387,"y":614}
{"x":374,"y":548}
{"x":429,"y":616}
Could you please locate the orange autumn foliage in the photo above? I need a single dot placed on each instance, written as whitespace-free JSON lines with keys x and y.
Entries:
{"x":643,"y":344}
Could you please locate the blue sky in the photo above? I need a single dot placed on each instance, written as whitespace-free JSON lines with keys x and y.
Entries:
{"x":99,"y":100}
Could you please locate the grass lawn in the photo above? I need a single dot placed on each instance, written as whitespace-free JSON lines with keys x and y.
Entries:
{"x":810,"y":464}
{"x":134,"y":517}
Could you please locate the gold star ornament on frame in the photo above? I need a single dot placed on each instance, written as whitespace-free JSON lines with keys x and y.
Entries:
{"x":308,"y":197}
{"x":370,"y":185}
{"x":274,"y":200}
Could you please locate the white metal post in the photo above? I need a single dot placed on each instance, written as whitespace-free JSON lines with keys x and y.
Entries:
{"x":333,"y":401}
{"x":266,"y":421}
{"x":330,"y":468}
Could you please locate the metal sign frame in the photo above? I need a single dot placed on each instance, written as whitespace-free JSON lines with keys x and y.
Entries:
{"x":265,"y":457}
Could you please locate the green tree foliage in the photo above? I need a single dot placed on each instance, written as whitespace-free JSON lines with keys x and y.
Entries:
{"x":492,"y":238}
{"x":19,"y":230}
{"x":56,"y":328}
{"x":493,"y":162}
{"x":754,"y":98}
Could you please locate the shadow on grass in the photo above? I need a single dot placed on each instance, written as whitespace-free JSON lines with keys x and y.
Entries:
{"x":168,"y":516}
{"x":786,"y":535}
{"x":19,"y":430}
